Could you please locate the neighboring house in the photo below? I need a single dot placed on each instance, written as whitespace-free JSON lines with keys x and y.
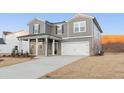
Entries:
{"x":2,"y":44}
{"x":80,"y":35}
{"x":10,"y":41}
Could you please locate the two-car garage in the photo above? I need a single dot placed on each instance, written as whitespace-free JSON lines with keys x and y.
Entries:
{"x":75,"y":48}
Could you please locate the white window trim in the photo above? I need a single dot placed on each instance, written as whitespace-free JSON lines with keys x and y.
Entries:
{"x":79,"y":26}
{"x":34,"y":29}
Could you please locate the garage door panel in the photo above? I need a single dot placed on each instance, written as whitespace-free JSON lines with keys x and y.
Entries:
{"x":75,"y":48}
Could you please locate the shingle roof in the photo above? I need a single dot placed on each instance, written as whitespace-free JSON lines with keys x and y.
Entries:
{"x":2,"y":41}
{"x":38,"y":35}
{"x":6,"y":32}
{"x":77,"y":14}
{"x":97,"y":24}
{"x":59,"y":22}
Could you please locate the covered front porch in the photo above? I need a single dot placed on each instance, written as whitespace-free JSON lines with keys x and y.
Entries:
{"x":42,"y":44}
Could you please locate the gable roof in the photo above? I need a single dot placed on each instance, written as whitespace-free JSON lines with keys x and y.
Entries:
{"x":78,"y":15}
{"x":11,"y":34}
{"x":6,"y":32}
{"x":36,"y":19}
{"x":87,"y":16}
{"x":97,"y":24}
{"x":2,"y":41}
{"x":59,"y":22}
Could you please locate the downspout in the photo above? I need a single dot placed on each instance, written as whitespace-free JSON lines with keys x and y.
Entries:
{"x":93,"y":37}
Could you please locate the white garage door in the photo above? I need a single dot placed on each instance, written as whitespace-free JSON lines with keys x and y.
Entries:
{"x":75,"y":48}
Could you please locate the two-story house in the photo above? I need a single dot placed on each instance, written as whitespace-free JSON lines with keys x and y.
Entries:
{"x":80,"y":35}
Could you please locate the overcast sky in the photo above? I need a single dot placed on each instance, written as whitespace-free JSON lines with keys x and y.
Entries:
{"x":111,"y":23}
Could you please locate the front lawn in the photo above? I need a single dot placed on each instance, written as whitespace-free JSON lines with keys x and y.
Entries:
{"x":6,"y":61}
{"x":109,"y":66}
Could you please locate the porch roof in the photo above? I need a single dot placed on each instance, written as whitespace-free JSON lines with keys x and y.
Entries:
{"x":34,"y":36}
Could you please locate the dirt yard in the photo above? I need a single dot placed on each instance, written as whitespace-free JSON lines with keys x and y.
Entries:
{"x":10,"y":61}
{"x":109,"y":66}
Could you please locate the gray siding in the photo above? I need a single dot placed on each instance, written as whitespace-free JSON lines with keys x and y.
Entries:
{"x":42,"y":26}
{"x":68,"y":28}
{"x":51,"y":29}
{"x":88,"y":27}
{"x":97,"y":40}
{"x":48,"y":28}
{"x":63,"y":35}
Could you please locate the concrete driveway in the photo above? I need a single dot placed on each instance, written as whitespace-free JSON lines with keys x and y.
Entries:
{"x":36,"y":67}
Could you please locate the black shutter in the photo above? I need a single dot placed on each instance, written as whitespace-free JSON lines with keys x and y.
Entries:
{"x":56,"y":30}
{"x":39,"y":28}
{"x":62,"y":28}
{"x":33,"y":28}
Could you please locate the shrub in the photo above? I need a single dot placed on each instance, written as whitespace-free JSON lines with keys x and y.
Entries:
{"x":30,"y":52}
{"x":27,"y":54}
{"x":15,"y":51}
{"x":101,"y":53}
{"x":114,"y":47}
{"x":21,"y":52}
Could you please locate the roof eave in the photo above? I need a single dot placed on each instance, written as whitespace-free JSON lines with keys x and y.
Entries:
{"x":79,"y":14}
{"x":42,"y":20}
{"x":97,"y":24}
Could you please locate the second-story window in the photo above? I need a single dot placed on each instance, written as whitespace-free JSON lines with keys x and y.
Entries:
{"x":36,"y":28}
{"x":59,"y":29}
{"x":79,"y":26}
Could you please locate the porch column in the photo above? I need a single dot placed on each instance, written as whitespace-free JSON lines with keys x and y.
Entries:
{"x":29,"y":46}
{"x":36,"y":46}
{"x":46,"y":42}
{"x":20,"y":45}
{"x":53,"y":47}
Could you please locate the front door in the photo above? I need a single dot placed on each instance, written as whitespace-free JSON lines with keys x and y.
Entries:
{"x":33,"y":48}
{"x":40,"y":48}
{"x":56,"y":48}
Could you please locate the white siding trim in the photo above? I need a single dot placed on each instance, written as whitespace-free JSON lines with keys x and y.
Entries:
{"x":77,"y":37}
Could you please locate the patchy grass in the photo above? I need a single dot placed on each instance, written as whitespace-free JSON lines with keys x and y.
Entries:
{"x":109,"y":66}
{"x":6,"y":61}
